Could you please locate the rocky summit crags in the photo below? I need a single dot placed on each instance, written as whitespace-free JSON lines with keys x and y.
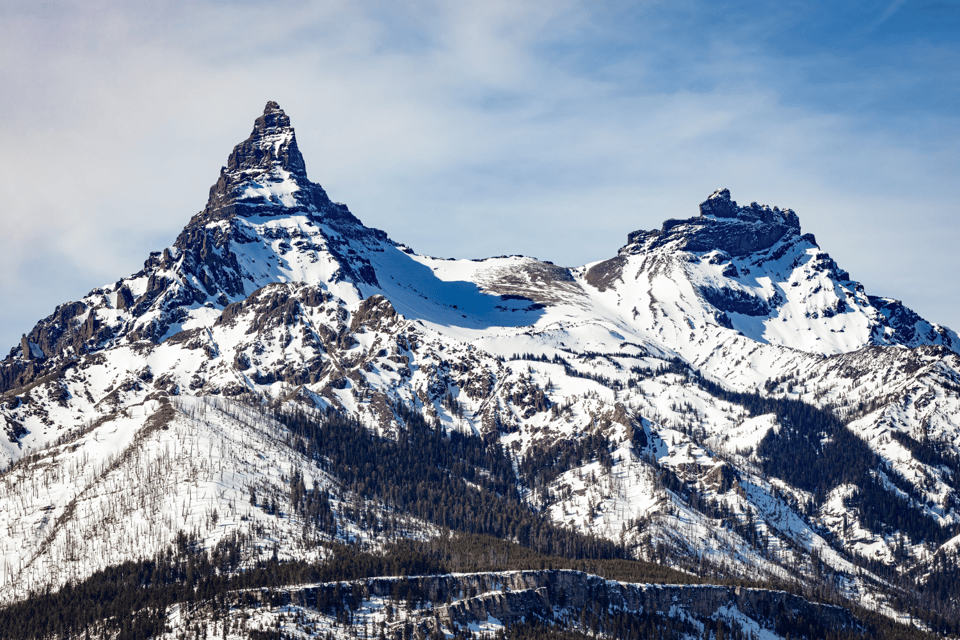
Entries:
{"x":723,"y":226}
{"x":264,"y":170}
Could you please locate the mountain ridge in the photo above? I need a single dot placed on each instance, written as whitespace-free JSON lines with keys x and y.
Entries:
{"x":266,"y":175}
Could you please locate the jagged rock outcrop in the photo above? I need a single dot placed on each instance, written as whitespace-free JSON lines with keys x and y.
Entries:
{"x":724,"y":226}
{"x":459,"y":601}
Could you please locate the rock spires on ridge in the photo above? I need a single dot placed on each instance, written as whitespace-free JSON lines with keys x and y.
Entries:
{"x":720,"y":205}
{"x":722,"y":225}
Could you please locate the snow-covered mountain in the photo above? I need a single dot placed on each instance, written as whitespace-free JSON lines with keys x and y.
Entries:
{"x":718,"y":393}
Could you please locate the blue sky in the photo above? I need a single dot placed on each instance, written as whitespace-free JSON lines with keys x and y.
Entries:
{"x":543,"y":128}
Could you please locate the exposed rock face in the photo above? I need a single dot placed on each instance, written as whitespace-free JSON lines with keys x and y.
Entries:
{"x":719,"y":204}
{"x":604,"y":274}
{"x":724,"y":226}
{"x":512,"y":597}
{"x":737,"y":238}
{"x":907,"y":327}
{"x":375,"y":312}
{"x":736,"y":301}
{"x":265,"y":169}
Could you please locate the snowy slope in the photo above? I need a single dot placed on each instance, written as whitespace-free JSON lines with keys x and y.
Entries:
{"x":132,"y":483}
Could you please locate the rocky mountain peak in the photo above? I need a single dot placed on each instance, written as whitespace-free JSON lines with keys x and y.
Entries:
{"x":265,"y":170}
{"x":721,"y":225}
{"x":272,"y":145}
{"x":265,"y":222}
{"x":720,"y":205}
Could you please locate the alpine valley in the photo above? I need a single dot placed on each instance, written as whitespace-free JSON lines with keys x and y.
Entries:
{"x":289,"y":425}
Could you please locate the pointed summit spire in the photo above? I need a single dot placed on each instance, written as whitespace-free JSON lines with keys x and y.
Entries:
{"x":265,"y":171}
{"x":272,"y":145}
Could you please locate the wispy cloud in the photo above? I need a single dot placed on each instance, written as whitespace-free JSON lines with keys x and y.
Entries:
{"x":891,"y":9}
